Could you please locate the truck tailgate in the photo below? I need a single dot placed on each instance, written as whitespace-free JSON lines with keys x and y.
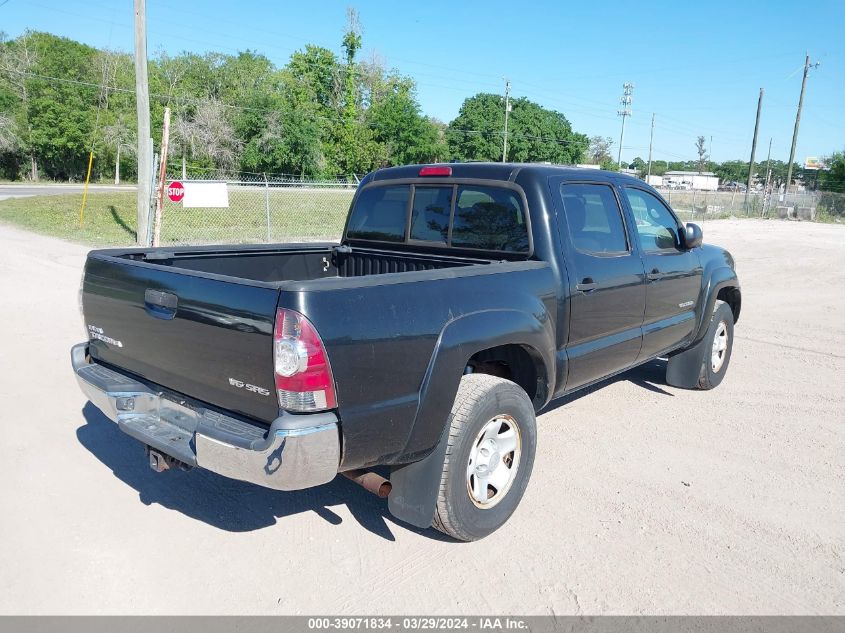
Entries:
{"x":210,"y":338}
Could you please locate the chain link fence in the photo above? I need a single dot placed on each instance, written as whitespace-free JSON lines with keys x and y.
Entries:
{"x":810,"y":205}
{"x":262,"y":209}
{"x":285,"y":209}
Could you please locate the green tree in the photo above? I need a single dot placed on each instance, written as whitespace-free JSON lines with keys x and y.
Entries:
{"x":62,"y":115}
{"x":401,"y":129}
{"x":535,"y":134}
{"x":732,"y":171}
{"x":640,"y":165}
{"x":289,"y":143}
{"x":351,"y":45}
{"x":599,"y":149}
{"x":355,"y":149}
{"x":18,"y":58}
{"x":701,"y":150}
{"x":833,"y":177}
{"x":659,"y":167}
{"x":207,"y":135}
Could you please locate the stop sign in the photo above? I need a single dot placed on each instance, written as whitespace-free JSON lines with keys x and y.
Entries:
{"x":175,"y":191}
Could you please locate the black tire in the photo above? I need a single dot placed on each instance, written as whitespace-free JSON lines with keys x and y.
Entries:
{"x":722,"y":318}
{"x":482,"y":398}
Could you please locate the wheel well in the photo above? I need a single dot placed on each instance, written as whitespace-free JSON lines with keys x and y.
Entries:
{"x":518,"y":363}
{"x":733,"y":297}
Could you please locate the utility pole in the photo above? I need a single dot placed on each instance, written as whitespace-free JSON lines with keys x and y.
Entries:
{"x":807,"y":66}
{"x":507,"y":113}
{"x":142,"y":101}
{"x":625,"y":112}
{"x":162,"y":176}
{"x":650,"y":143}
{"x":754,"y":147}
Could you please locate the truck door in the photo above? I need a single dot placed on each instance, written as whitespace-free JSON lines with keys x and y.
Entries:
{"x":673,"y":273}
{"x":607,"y":292}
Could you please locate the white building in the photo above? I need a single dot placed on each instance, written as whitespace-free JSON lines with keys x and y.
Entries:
{"x":704,"y":181}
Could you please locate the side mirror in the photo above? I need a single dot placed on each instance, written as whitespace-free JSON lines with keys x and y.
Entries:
{"x":693,"y":237}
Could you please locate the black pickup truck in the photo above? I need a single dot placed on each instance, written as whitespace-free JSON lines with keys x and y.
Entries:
{"x":461,"y":300}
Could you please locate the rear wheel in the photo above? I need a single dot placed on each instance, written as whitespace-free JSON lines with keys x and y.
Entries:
{"x":489,"y":457}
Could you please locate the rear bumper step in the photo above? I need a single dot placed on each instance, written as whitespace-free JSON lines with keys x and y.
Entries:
{"x":298,"y":451}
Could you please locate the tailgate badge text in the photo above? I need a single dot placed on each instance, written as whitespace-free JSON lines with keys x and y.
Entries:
{"x":97,"y":333}
{"x":240,"y":384}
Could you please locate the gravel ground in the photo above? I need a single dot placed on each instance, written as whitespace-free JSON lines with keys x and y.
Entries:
{"x":644,"y":498}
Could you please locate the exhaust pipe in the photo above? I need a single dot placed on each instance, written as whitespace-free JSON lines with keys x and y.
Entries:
{"x":370,"y":481}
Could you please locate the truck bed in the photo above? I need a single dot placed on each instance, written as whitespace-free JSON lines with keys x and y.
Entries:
{"x":200,"y":320}
{"x":273,"y":264}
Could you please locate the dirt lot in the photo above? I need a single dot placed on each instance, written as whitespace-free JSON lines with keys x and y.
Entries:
{"x":644,"y":498}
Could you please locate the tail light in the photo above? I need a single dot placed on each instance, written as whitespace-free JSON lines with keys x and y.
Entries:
{"x":303,"y":375}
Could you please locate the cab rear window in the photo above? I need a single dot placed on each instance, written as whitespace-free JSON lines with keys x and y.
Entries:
{"x":380,"y":214}
{"x":475,"y":217}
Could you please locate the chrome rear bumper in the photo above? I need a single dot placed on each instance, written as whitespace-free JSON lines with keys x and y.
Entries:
{"x":298,"y":451}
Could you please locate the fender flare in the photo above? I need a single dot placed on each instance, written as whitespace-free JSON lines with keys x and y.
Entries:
{"x":416,"y":483}
{"x":714,"y":280}
{"x":684,"y":366}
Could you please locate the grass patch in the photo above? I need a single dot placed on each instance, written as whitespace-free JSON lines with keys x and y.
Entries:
{"x":294,"y":213}
{"x":109,"y":217}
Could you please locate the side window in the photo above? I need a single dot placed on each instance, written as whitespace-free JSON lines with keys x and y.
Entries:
{"x":380,"y":214}
{"x":430,"y":213}
{"x":657,"y":228}
{"x":594,"y":218}
{"x":491,"y":218}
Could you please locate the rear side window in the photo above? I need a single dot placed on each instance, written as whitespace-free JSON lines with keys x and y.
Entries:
{"x":461,"y":216}
{"x":490,"y":218}
{"x":380,"y":214}
{"x":594,"y":218}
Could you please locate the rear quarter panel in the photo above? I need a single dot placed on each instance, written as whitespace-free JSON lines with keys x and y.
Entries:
{"x":381,"y":333}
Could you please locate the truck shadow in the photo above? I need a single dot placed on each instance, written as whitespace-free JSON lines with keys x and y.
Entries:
{"x":227,"y":504}
{"x":236,"y":506}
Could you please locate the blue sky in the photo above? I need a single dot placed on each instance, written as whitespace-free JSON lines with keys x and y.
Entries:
{"x":697,"y":66}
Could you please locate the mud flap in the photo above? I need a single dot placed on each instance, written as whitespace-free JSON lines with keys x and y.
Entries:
{"x":684,"y":368}
{"x":413,"y":498}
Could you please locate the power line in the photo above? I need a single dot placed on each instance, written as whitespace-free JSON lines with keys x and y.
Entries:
{"x":568,"y":100}
{"x":196,"y":100}
{"x":464,"y":79}
{"x":163,"y":98}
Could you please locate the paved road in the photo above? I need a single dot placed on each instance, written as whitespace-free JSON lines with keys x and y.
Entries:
{"x":644,"y":498}
{"x":25,"y":190}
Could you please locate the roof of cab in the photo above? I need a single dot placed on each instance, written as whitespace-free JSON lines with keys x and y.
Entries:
{"x":500,"y":171}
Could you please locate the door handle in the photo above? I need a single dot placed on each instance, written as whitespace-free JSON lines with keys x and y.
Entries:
{"x":587,"y":285}
{"x":654,"y":275}
{"x":161,"y":305}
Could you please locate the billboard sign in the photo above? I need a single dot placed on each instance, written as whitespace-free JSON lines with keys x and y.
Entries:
{"x":813,"y":162}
